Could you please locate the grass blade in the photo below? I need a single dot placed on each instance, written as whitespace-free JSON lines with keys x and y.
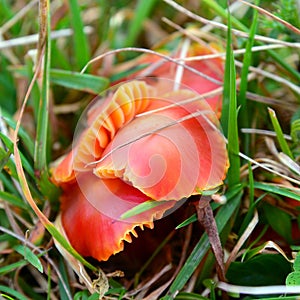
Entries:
{"x":141,"y":208}
{"x":40,"y":155}
{"x":279,"y":134}
{"x":82,"y":82}
{"x":229,"y":112}
{"x":29,"y":256}
{"x":276,"y":190}
{"x":242,"y":100}
{"x":142,"y":11}
{"x":9,"y":144}
{"x":24,"y":136}
{"x":62,"y":288}
{"x":35,"y":95}
{"x":13,"y":200}
{"x":12,"y":292}
{"x":81,"y":46}
{"x":215,"y":6}
{"x":295,"y":130}
{"x":11,"y":267}
{"x":193,"y":218}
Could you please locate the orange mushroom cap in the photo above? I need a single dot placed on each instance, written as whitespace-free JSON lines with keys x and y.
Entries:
{"x":141,"y":143}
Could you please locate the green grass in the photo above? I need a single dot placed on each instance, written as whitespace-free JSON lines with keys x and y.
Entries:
{"x":57,"y":92}
{"x":81,"y":46}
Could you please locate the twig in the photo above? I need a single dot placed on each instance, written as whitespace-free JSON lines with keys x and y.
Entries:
{"x":242,"y":240}
{"x":186,"y":32}
{"x":264,"y":132}
{"x":284,"y":81}
{"x":180,"y":68}
{"x":207,"y":220}
{"x":271,"y":101}
{"x":33,"y":38}
{"x":150,"y":282}
{"x":258,"y":290}
{"x":240,"y":51}
{"x":267,"y":168}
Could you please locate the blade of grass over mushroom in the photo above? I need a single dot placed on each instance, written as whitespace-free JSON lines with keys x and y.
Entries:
{"x":78,"y":81}
{"x":18,"y":176}
{"x":141,"y":208}
{"x":193,"y":218}
{"x":229,"y":112}
{"x":279,"y":134}
{"x":142,"y":11}
{"x":242,"y":100}
{"x":198,"y":253}
{"x":48,"y":225}
{"x":81,"y":46}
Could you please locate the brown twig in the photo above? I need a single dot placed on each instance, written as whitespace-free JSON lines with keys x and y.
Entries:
{"x":207,"y":220}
